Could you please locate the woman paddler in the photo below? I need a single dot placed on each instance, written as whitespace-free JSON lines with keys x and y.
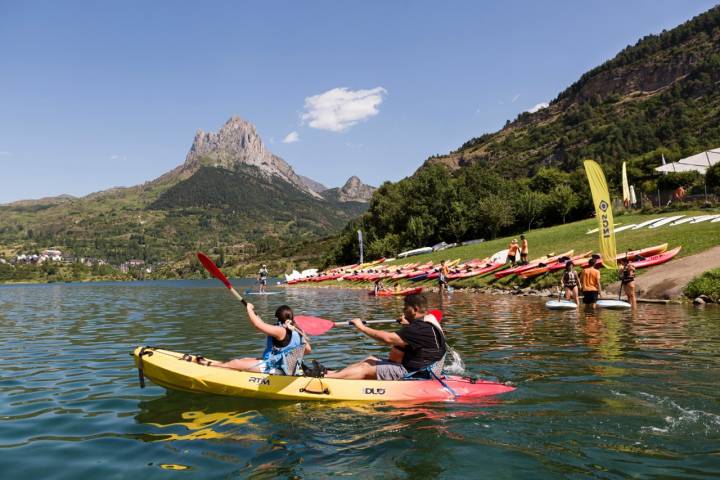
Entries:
{"x":283,"y":338}
{"x":627,"y":280}
{"x":570,"y":282}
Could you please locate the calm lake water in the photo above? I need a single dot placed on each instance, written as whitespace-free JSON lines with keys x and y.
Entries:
{"x":600,"y":395}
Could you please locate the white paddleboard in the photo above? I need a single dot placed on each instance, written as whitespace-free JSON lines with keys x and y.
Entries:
{"x":499,"y":257}
{"x":262,"y":293}
{"x":613,"y":304}
{"x":625,"y":227}
{"x":595,"y":230}
{"x":666,"y":221}
{"x":705,"y":218}
{"x":648,"y":223}
{"x":682,"y":220}
{"x":560,"y":305}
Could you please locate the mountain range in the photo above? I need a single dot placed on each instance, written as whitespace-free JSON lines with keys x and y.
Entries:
{"x":231,"y":194}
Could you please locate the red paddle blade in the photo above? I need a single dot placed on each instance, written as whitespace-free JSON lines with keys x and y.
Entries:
{"x":313,"y":325}
{"x":213,"y":269}
{"x":437,"y":314}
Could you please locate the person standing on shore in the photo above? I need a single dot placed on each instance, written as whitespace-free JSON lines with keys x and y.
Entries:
{"x":590,"y":281}
{"x":523,"y":250}
{"x":442,"y":278}
{"x":512,"y":252}
{"x":569,"y":282}
{"x":627,"y":280}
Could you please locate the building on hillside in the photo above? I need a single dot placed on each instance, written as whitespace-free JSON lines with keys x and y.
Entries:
{"x":699,"y":162}
{"x":125,"y":267}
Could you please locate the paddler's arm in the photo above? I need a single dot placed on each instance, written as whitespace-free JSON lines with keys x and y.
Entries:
{"x":390,"y":338}
{"x":274,"y":331}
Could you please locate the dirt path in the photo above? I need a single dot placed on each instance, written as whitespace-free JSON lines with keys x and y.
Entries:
{"x":667,"y":280}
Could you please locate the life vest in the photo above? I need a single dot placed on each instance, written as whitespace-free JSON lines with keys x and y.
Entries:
{"x":628,"y":274}
{"x":275,"y":357}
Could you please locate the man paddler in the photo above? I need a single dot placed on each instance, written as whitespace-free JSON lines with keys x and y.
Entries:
{"x":262,"y":277}
{"x":590,"y":281}
{"x":443,"y":276}
{"x":415,"y":347}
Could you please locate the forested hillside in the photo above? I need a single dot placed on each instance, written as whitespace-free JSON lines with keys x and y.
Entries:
{"x":658,"y":97}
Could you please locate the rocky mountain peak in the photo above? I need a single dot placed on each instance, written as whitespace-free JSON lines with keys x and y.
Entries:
{"x":237,"y":142}
{"x":354,"y":190}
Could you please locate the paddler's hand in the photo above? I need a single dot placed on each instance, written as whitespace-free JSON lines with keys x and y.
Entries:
{"x":358,"y":323}
{"x":250,"y":307}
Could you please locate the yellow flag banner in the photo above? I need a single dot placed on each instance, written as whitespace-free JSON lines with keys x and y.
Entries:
{"x":603,"y":212}
{"x":625,"y":187}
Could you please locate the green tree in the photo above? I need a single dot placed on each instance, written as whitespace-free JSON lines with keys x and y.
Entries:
{"x":529,"y":206}
{"x":493,"y":213}
{"x":563,"y":200}
{"x":712,"y":177}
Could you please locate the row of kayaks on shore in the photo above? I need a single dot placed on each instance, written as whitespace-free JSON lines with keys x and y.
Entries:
{"x":496,"y":265}
{"x":177,"y":371}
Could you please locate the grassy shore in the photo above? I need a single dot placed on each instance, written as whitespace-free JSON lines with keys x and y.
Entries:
{"x":558,"y":239}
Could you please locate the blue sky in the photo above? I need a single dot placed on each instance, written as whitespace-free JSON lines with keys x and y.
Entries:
{"x":102,"y":94}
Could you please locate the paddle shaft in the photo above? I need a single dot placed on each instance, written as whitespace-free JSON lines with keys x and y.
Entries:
{"x":367,"y":322}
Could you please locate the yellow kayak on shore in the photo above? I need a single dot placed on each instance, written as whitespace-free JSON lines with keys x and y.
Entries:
{"x":176,"y":371}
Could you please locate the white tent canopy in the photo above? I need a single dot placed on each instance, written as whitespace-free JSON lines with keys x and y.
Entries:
{"x":699,"y":162}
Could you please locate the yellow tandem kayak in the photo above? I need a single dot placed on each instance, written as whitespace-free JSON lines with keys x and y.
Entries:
{"x":176,"y":371}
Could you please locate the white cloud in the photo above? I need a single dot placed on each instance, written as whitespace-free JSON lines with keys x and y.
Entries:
{"x":340,"y":108}
{"x":292,"y":137}
{"x":5,"y":154}
{"x":539,"y":106}
{"x":514,"y":99}
{"x":118,"y":157}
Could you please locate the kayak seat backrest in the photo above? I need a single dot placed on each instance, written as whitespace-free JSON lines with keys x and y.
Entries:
{"x":434,"y":370}
{"x":437,"y":367}
{"x":292,"y":360}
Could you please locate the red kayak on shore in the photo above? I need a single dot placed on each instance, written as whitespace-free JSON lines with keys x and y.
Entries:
{"x":656,"y":259}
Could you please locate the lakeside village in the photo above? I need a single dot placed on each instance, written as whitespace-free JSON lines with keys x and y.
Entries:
{"x":56,"y":257}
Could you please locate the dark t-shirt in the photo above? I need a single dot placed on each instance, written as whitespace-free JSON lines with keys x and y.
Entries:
{"x":425,"y":345}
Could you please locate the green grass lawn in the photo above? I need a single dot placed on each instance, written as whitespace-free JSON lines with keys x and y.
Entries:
{"x":557,"y":239}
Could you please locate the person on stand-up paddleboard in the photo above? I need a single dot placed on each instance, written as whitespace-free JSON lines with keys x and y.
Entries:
{"x":627,"y":280}
{"x":590,"y":282}
{"x":442,"y":278}
{"x":512,"y":252}
{"x":569,"y":282}
{"x":262,"y":278}
{"x":282,"y":338}
{"x":415,"y":347}
{"x":523,"y":250}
